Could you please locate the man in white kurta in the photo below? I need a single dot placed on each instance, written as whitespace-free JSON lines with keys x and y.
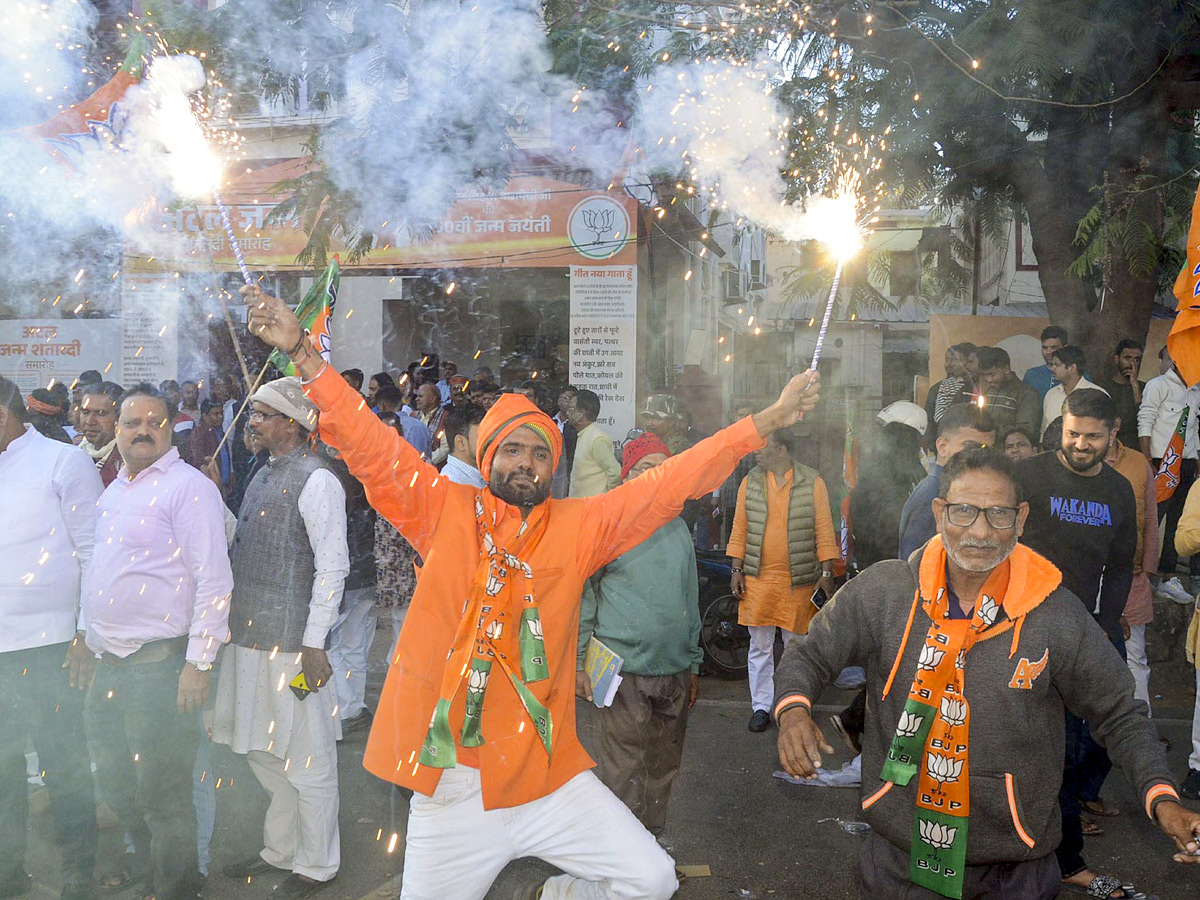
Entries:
{"x":274,"y":703}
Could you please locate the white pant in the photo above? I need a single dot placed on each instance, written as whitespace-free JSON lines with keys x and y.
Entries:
{"x":1194,"y":759}
{"x":455,"y":849}
{"x":761,"y":661}
{"x":349,"y":647}
{"x":300,"y":832}
{"x":1139,"y":664}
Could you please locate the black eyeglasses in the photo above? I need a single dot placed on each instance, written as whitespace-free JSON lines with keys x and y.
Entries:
{"x":963,"y":515}
{"x":255,"y":414}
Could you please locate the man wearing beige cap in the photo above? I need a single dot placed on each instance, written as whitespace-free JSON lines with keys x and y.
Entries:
{"x":274,"y":704}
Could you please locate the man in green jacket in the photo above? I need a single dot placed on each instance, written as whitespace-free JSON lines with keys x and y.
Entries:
{"x":644,"y":607}
{"x":973,"y":650}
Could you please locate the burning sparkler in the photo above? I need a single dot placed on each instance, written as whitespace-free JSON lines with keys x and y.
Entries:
{"x":843,"y":236}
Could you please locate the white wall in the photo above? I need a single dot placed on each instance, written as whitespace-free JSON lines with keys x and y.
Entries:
{"x":358,"y":320}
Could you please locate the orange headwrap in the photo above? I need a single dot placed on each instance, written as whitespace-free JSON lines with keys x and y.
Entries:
{"x":508,"y":414}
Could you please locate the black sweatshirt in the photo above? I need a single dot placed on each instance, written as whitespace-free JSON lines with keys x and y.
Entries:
{"x":1087,"y":526}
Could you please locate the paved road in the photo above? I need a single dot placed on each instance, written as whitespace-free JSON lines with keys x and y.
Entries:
{"x":762,"y":838}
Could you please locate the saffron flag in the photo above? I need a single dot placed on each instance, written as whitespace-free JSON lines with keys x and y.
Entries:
{"x":1166,"y":480}
{"x":1184,"y":339}
{"x":98,"y":119}
{"x":315,"y":313}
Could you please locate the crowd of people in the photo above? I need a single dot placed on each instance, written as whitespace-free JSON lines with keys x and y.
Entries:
{"x":189,"y":565}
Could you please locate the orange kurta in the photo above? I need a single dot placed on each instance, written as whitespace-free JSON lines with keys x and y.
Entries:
{"x":438,"y":519}
{"x":770,"y":598}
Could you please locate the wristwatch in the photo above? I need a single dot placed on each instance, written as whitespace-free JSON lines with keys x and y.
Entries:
{"x":202,"y":667}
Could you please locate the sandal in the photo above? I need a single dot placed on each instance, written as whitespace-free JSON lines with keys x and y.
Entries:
{"x":1090,"y":828}
{"x":1103,"y":886}
{"x":1100,"y":808}
{"x":114,"y":881}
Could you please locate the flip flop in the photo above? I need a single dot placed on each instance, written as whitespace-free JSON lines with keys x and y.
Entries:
{"x":1090,"y":828}
{"x":1100,"y":808}
{"x":1102,"y":886}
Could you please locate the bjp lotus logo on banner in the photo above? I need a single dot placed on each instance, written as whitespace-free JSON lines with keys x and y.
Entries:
{"x":598,"y":227}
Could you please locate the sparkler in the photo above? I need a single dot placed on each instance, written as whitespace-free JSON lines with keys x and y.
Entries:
{"x":844,"y":237}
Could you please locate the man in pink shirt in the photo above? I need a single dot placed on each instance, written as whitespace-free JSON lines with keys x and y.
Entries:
{"x":156,"y":609}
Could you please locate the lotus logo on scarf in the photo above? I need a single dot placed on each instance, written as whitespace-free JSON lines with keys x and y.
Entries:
{"x":954,"y":712}
{"x":909,"y":724}
{"x":930,"y":657}
{"x":943,"y":769}
{"x":494,"y":630}
{"x":494,"y":585}
{"x":535,"y":627}
{"x":477,"y":681}
{"x":988,"y":610}
{"x":935,"y":834}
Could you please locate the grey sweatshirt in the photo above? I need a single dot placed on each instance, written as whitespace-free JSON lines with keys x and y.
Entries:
{"x":1017,"y":724}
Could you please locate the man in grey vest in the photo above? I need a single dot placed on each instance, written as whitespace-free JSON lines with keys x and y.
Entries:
{"x":782,"y":548}
{"x":274,"y":704}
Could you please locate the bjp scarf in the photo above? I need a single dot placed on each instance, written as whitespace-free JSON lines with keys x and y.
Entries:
{"x":932,"y":737}
{"x":501,"y":600}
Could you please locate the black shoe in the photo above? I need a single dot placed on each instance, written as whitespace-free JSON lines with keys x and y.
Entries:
{"x":251,"y":868}
{"x":359,"y":722}
{"x":294,"y":888}
{"x":760,"y":721}
{"x":1191,"y":785}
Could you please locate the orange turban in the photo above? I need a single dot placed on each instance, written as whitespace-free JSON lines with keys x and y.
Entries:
{"x":509,"y":413}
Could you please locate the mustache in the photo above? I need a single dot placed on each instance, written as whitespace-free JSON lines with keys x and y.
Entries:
{"x":978,"y":545}
{"x":142,"y":440}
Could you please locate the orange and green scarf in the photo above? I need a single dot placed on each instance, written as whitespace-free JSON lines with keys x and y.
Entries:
{"x":932,"y":738}
{"x":501,"y":598}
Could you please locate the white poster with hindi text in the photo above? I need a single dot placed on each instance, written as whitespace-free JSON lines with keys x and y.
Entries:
{"x":603,"y":355}
{"x":150,"y":332}
{"x":36,"y":352}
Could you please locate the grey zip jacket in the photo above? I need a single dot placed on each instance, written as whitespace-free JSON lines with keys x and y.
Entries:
{"x":1062,"y":660}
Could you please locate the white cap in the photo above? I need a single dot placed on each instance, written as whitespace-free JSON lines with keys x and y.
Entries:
{"x":906,"y":413}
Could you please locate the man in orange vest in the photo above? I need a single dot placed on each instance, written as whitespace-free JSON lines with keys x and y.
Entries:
{"x":478,"y":712}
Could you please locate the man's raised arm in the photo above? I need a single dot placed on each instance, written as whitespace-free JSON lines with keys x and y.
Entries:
{"x":406,"y":490}
{"x":628,"y":514}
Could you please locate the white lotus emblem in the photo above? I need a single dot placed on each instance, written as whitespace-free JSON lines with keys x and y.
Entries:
{"x":943,"y":769}
{"x":930,"y":657}
{"x":954,"y":712}
{"x":494,"y":630}
{"x":961,"y":661}
{"x":477,"y":680}
{"x":988,"y":610}
{"x":935,"y":834}
{"x":909,"y":724}
{"x":535,"y":627}
{"x":494,"y":585}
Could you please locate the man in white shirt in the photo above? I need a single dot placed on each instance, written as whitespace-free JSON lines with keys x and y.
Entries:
{"x":274,"y":703}
{"x":462,"y":432}
{"x":595,"y":469}
{"x":48,"y":518}
{"x":1164,"y":402}
{"x":1066,"y":365}
{"x":156,"y":610}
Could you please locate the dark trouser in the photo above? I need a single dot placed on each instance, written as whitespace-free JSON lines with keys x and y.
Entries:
{"x":37,"y":701}
{"x":883,"y":875}
{"x":145,"y":750}
{"x":1172,"y":508}
{"x":1085,"y":766}
{"x":640,"y":742}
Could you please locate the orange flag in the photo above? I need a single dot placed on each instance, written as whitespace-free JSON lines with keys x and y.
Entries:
{"x":1184,"y":339}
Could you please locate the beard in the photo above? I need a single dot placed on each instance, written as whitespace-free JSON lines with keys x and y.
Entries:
{"x":996,"y":552}
{"x":1081,"y":461}
{"x":525,"y":493}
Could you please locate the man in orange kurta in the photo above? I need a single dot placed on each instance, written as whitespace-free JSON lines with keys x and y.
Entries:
{"x":774,"y":596}
{"x":494,"y":620}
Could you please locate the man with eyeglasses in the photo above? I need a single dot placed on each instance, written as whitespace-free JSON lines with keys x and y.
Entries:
{"x":973,"y":649}
{"x":274,"y":704}
{"x":1083,"y":518}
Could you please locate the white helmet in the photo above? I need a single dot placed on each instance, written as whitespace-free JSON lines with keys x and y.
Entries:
{"x":906,"y":413}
